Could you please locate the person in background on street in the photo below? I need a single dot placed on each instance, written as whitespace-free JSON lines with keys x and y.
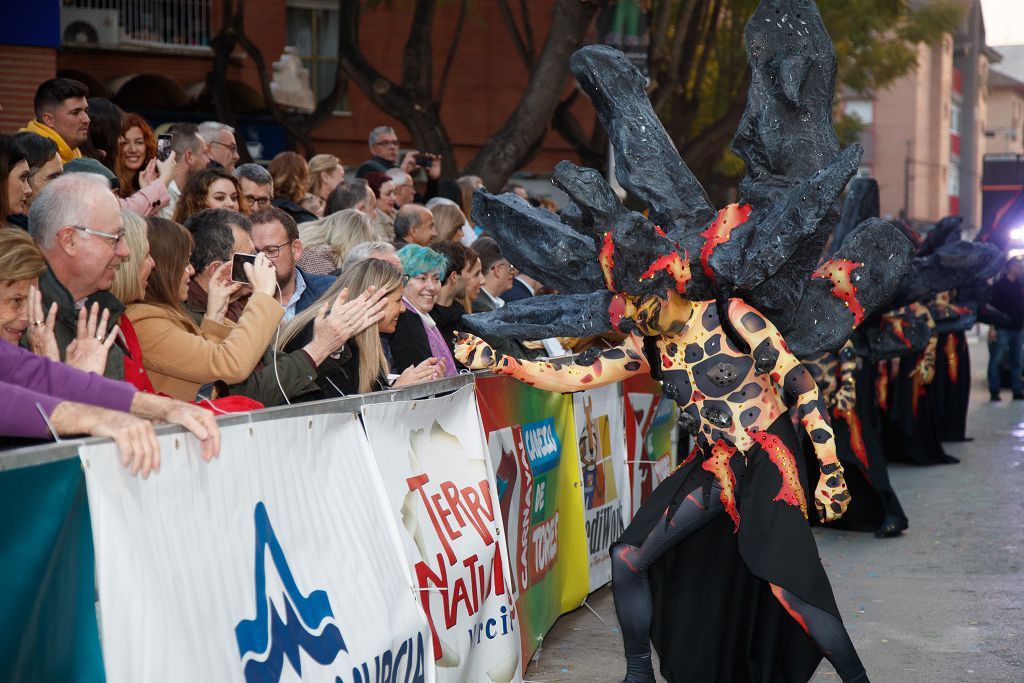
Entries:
{"x":257,"y":185}
{"x":221,"y":147}
{"x":76,"y":223}
{"x":105,"y":119}
{"x":15,"y":189}
{"x":417,"y":338}
{"x":1007,"y":340}
{"x":217,"y":235}
{"x":189,"y":152}
{"x":129,"y":286}
{"x":275,"y":234}
{"x":450,"y":304}
{"x":352,"y":194}
{"x":325,"y":174}
{"x":211,"y":188}
{"x":313,"y":205}
{"x":366,"y":367}
{"x":384,"y":189}
{"x":449,"y":221}
{"x":405,"y":189}
{"x":326,"y":242}
{"x":44,"y":164}
{"x":181,"y":356}
{"x":385,"y":251}
{"x":468,"y":184}
{"x":291,"y":182}
{"x":142,"y":178}
{"x":414,"y":224}
{"x":74,"y":401}
{"x":517,"y":189}
{"x":497,"y":275}
{"x":523,"y":287}
{"x":384,"y":153}
{"x":21,"y":264}
{"x":62,"y":114}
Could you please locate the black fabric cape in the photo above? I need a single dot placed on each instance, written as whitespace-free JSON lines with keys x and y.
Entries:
{"x":911,"y":433}
{"x":715,"y":618}
{"x":953,"y":393}
{"x":864,"y":466}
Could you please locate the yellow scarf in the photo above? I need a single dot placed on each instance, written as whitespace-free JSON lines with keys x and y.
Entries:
{"x":66,"y":153}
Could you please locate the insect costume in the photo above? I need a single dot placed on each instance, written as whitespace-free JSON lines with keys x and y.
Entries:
{"x":718,"y":567}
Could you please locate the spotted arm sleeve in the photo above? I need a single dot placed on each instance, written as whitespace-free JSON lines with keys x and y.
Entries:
{"x":592,"y":368}
{"x":773,"y":357}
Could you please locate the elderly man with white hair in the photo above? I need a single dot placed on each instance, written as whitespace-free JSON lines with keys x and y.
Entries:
{"x":220,"y":144}
{"x":76,"y":223}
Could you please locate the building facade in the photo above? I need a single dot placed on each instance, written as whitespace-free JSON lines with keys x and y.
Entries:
{"x":154,"y":58}
{"x":924,"y":135}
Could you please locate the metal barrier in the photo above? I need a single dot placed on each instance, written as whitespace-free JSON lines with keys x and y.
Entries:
{"x":68,"y":448}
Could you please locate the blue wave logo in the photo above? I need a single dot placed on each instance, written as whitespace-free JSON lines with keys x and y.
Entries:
{"x":308,"y":624}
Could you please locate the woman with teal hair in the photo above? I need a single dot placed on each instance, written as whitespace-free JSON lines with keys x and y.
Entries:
{"x":416,"y":337}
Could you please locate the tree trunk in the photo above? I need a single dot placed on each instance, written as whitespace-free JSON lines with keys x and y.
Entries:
{"x":524,"y":130}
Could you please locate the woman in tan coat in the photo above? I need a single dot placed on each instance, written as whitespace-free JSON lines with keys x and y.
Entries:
{"x":181,"y":356}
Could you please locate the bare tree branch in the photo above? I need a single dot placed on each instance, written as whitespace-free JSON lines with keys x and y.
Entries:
{"x":450,"y":57}
{"x":417,"y":58}
{"x":524,"y":10}
{"x":513,"y":29}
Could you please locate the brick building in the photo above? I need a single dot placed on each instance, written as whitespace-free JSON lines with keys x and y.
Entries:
{"x":924,"y":135}
{"x":153,"y":57}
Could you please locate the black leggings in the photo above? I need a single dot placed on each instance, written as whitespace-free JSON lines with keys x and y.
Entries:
{"x":634,"y":608}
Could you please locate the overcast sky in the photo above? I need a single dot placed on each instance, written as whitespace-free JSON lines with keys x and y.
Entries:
{"x":1004,"y":21}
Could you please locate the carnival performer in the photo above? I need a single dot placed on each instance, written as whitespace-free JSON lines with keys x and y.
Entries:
{"x":719,"y":306}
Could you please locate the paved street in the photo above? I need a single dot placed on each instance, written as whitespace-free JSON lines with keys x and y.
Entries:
{"x":942,"y":603}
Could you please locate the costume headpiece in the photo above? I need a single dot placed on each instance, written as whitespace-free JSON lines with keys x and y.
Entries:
{"x":764,"y":249}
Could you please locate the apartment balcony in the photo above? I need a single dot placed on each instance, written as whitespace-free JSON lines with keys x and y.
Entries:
{"x":177,"y":26}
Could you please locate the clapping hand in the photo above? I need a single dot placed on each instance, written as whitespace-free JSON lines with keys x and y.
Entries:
{"x":88,"y":352}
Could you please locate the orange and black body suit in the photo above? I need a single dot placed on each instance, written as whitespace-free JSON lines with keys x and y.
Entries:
{"x":740,"y":495}
{"x":952,"y":384}
{"x":847,"y":386}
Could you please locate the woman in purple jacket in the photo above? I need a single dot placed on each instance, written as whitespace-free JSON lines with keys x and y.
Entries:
{"x":39,"y":396}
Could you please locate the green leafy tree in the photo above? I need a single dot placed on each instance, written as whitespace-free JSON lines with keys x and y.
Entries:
{"x":699,"y":75}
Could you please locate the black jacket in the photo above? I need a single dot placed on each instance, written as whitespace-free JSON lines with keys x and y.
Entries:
{"x":1008,"y":297}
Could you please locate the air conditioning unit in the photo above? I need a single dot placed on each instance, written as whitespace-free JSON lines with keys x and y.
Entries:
{"x":89,"y":27}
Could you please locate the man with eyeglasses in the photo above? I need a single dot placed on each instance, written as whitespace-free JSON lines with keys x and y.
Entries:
{"x":384,"y":148}
{"x":220,"y":144}
{"x":276,"y":234}
{"x":76,"y":223}
{"x":257,"y":185}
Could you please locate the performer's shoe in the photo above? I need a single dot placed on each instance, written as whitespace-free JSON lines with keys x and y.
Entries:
{"x":947,"y":459}
{"x":892,"y":526}
{"x":995,"y":397}
{"x":1018,"y":397}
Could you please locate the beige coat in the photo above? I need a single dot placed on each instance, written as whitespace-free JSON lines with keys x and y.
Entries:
{"x":180,"y":361}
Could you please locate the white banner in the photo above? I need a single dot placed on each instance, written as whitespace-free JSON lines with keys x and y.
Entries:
{"x":433,"y":460}
{"x":276,"y":562}
{"x":600,"y":430}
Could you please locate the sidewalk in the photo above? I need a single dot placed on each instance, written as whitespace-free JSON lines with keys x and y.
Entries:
{"x":944,"y":603}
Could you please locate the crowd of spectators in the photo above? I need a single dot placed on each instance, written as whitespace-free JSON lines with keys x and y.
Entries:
{"x":138,"y":286}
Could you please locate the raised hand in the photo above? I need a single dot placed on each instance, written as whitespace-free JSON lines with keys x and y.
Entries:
{"x":41,"y":339}
{"x":262,"y":275}
{"x":88,"y":352}
{"x":149,"y":174}
{"x":221,"y":290}
{"x":474,"y":353}
{"x":831,"y":496}
{"x":333,"y":327}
